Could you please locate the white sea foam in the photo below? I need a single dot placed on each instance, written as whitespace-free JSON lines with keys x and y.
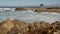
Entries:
{"x":30,"y":16}
{"x":7,"y":9}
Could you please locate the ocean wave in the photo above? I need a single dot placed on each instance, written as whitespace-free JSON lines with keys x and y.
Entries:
{"x":7,"y":9}
{"x":30,"y":16}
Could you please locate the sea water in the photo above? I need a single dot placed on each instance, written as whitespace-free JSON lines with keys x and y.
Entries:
{"x":30,"y":16}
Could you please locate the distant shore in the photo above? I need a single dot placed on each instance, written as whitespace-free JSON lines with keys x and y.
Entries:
{"x":41,"y":9}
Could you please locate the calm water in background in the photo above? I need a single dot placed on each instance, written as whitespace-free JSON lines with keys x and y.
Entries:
{"x":30,"y":16}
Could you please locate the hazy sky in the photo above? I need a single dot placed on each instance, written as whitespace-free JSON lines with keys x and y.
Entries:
{"x":27,"y":2}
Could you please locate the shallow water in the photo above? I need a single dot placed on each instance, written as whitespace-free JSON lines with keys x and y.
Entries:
{"x":30,"y":16}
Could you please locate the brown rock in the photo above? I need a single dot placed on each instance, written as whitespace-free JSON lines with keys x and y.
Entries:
{"x":6,"y":26}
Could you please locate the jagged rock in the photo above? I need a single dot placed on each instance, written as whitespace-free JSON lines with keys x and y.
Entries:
{"x":42,"y":25}
{"x":37,"y":31}
{"x":19,"y":27}
{"x":56,"y":25}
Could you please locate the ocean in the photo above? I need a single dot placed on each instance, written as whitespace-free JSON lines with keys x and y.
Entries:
{"x":29,"y":16}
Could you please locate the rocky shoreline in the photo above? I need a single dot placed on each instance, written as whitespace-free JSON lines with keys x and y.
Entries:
{"x":19,"y":27}
{"x":41,"y":9}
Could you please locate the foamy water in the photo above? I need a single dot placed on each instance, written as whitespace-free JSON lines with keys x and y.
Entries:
{"x":30,"y":16}
{"x":7,"y":9}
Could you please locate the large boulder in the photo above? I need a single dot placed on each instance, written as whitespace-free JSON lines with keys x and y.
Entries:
{"x":6,"y":26}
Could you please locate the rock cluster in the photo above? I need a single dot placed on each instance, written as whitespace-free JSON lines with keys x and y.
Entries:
{"x":19,"y":27}
{"x":41,"y":9}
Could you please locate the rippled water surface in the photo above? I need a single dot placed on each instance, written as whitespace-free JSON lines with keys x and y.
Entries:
{"x":30,"y":16}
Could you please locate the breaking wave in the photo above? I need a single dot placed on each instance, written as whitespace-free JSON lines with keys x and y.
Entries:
{"x":7,"y":9}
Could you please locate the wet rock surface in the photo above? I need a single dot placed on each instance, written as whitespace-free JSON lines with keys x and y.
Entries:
{"x":19,"y":27}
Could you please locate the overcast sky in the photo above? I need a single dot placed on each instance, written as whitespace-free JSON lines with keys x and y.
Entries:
{"x":27,"y":2}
